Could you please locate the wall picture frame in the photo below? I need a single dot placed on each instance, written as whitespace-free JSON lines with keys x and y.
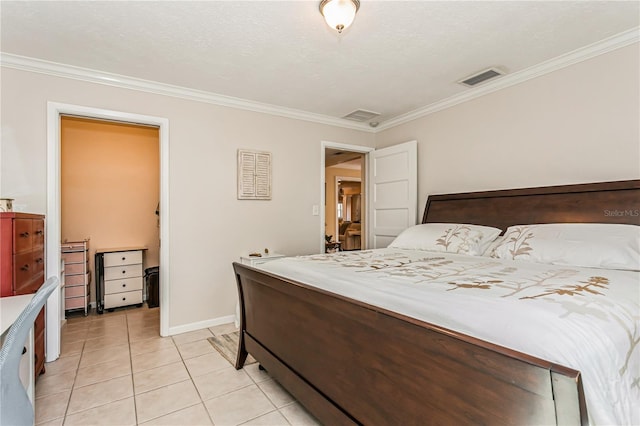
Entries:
{"x":254,"y":175}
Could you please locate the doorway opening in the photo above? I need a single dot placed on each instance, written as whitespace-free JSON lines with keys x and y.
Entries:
{"x":345,"y":212}
{"x":110,"y":189}
{"x":389,"y":179}
{"x":55,"y":304}
{"x":348,"y":212}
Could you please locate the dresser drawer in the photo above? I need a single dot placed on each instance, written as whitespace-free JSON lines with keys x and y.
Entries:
{"x":22,"y":272}
{"x":122,"y":299}
{"x":23,"y":235}
{"x":75,"y":268}
{"x":33,"y":285}
{"x":38,"y":342}
{"x":73,"y":257}
{"x":38,"y":354}
{"x":79,"y":279}
{"x":122,"y":258}
{"x":38,"y":262}
{"x":38,"y":324}
{"x":126,"y":271}
{"x":38,"y":233}
{"x":74,"y":291}
{"x":28,"y":270}
{"x":73,"y":303}
{"x":122,"y":285}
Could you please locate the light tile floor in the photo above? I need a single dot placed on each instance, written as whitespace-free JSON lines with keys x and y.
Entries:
{"x":115,"y":369}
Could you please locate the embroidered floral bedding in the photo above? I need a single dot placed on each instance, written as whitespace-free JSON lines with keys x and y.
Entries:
{"x":587,"y":319}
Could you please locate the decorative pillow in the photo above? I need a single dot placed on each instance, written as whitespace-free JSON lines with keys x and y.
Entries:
{"x":448,"y":237}
{"x":594,"y":245}
{"x":492,"y":245}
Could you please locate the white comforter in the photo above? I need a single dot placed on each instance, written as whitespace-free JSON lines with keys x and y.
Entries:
{"x":583,"y":318}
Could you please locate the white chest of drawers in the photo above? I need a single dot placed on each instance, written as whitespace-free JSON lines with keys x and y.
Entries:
{"x":122,"y":277}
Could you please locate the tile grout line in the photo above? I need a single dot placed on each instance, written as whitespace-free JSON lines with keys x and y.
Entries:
{"x":151,"y":390}
{"x":77,"y":370}
{"x":203,"y":401}
{"x":190,"y":378}
{"x":70,"y":391}
{"x":75,"y":377}
{"x":256,"y":384}
{"x":128,"y":321}
{"x":133,"y":384}
{"x":192,"y":381}
{"x":269,"y":399}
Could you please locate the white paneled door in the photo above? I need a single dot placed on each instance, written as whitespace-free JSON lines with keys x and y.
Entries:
{"x":393,"y":192}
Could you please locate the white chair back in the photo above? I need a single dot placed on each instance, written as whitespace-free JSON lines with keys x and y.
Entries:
{"x":15,"y":407}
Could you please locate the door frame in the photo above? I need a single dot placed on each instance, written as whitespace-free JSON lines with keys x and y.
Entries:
{"x":365,"y":150}
{"x":53,"y":228}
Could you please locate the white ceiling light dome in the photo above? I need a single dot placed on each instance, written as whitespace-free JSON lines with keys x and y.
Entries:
{"x":339,"y":14}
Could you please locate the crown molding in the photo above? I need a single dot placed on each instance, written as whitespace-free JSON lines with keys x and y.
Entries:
{"x":579,"y":55}
{"x":100,"y":77}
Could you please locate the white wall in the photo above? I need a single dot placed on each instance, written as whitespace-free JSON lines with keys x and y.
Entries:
{"x":209,"y":227}
{"x":578,"y":124}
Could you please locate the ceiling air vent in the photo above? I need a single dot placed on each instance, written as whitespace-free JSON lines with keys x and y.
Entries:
{"x":361,"y":115}
{"x":481,"y":77}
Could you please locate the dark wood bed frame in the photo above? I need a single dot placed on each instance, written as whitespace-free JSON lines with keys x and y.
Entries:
{"x":349,"y":362}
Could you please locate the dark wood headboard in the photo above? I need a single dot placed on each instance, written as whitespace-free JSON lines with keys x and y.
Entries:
{"x":604,"y":202}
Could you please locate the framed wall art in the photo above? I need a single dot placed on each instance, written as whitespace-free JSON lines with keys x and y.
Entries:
{"x":254,"y":175}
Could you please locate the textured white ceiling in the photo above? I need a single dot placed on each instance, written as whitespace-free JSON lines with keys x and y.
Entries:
{"x":397,"y":57}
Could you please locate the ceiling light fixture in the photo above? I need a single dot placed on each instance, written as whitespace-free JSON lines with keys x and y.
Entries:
{"x":339,"y":14}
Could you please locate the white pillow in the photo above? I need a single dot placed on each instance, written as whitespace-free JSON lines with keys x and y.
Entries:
{"x":447,"y":237}
{"x":492,"y":246}
{"x":594,"y":245}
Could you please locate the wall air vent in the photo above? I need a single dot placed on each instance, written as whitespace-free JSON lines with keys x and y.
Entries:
{"x":481,"y":77}
{"x":361,"y":115}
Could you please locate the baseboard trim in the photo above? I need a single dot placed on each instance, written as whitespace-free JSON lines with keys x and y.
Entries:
{"x":200,"y":325}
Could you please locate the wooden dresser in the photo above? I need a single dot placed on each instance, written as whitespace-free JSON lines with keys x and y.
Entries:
{"x":76,"y":275}
{"x":22,"y":266}
{"x":119,"y":277}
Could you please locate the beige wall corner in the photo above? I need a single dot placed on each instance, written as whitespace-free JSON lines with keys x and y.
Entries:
{"x":578,"y":124}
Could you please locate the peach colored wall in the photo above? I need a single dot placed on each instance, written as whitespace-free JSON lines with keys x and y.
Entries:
{"x":110,"y":184}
